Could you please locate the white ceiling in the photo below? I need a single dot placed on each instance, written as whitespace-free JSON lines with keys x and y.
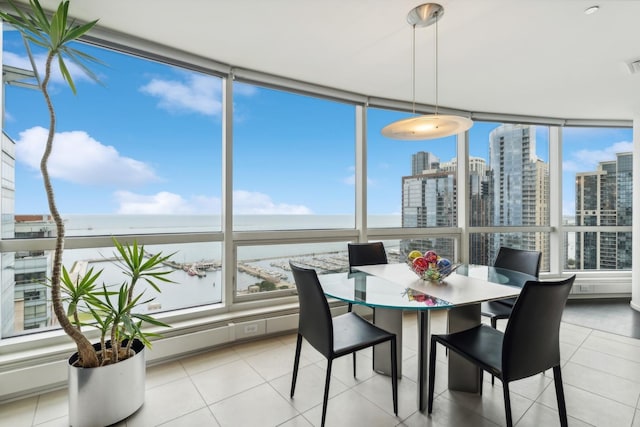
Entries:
{"x":526,"y":57}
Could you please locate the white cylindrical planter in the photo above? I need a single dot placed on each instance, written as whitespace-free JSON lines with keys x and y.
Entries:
{"x":108,"y":394}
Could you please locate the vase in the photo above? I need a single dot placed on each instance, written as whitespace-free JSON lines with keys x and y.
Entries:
{"x":105,"y":395}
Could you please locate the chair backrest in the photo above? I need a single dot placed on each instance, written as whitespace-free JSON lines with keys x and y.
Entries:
{"x":315,"y":323}
{"x":521,"y":260}
{"x":532,"y":338}
{"x":366,"y":254}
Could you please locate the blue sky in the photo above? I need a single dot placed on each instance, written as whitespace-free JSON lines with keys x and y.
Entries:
{"x":149,"y":141}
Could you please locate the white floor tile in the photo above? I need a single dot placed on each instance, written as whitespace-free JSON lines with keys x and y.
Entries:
{"x":167,"y":402}
{"x":622,"y":368}
{"x":19,"y":413}
{"x":201,"y":418}
{"x":351,"y":409}
{"x":249,"y":385}
{"x":225,"y":381}
{"x":607,"y":385}
{"x":51,"y":406}
{"x":309,"y":387}
{"x":590,"y":408}
{"x":259,"y":406}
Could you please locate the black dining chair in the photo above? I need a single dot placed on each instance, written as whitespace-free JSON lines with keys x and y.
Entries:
{"x":365,"y":254}
{"x":524,"y":261}
{"x":529,"y":345}
{"x":336,"y":336}
{"x":370,"y":253}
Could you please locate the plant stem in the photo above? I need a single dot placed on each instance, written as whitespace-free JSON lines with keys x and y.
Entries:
{"x":86,"y":353}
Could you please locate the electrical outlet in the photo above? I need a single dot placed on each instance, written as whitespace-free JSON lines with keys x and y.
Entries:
{"x":251,"y":329}
{"x":584,"y":289}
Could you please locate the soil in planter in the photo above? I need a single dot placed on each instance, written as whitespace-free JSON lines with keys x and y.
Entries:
{"x":106,"y":360}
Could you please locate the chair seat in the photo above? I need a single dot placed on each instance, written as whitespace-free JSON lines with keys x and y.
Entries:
{"x":497,"y":309}
{"x":352,"y":333}
{"x":481,"y":344}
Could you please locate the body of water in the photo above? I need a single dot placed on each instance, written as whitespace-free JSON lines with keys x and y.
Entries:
{"x":193,"y":290}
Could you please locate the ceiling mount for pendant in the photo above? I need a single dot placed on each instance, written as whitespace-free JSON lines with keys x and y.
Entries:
{"x":425,"y":14}
{"x":434,"y":125}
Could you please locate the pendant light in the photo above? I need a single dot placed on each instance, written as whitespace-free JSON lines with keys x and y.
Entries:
{"x":432,"y":125}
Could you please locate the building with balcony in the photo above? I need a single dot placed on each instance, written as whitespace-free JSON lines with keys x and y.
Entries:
{"x":602,"y":199}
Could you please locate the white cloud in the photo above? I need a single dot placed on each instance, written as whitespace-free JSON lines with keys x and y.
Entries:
{"x":351,"y":180}
{"x":587,"y":160}
{"x":161,"y":203}
{"x":18,"y":61}
{"x":200,"y":94}
{"x":8,"y":117}
{"x":244,"y":89}
{"x":78,"y":158}
{"x":246,"y":202}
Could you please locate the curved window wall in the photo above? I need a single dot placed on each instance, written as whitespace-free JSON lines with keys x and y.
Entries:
{"x":144,"y":157}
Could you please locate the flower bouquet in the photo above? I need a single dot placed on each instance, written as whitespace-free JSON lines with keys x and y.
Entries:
{"x":430,"y":266}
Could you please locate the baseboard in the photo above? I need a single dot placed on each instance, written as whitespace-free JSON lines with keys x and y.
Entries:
{"x":28,"y":379}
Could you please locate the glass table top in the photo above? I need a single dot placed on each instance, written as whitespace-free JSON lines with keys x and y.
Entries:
{"x":390,"y":286}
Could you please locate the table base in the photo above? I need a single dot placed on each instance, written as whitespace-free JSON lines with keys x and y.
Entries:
{"x":390,"y":320}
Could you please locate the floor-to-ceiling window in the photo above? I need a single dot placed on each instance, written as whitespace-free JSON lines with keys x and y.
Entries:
{"x":293,"y":169}
{"x":597,"y":202}
{"x":508,"y":188}
{"x":139,"y":154}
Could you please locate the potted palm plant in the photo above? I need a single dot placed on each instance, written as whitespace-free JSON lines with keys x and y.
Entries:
{"x":120,"y":350}
{"x":97,"y":372}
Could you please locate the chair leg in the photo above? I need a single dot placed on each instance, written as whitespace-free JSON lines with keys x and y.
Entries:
{"x":507,"y":403}
{"x":432,"y":374}
{"x":394,"y":373}
{"x":296,"y":362}
{"x":354,"y":363}
{"x":562,"y":407}
{"x":494,"y":325}
{"x":349,"y":309}
{"x":326,"y":392}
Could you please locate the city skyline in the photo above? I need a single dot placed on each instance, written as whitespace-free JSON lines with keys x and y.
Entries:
{"x":102,"y":162}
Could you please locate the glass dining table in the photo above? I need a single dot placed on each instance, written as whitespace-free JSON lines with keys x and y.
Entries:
{"x":394,"y":288}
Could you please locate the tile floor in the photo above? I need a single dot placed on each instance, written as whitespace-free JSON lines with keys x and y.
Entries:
{"x":248,"y":385}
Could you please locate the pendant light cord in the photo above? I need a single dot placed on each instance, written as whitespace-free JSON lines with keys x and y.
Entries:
{"x":413,"y":71}
{"x":436,"y":63}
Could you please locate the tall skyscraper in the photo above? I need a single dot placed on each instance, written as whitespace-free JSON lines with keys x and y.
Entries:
{"x":518,"y":189}
{"x":429,"y":200}
{"x":25,"y":296}
{"x":8,"y":303}
{"x":604,"y":197}
{"x":511,"y":190}
{"x":423,"y":161}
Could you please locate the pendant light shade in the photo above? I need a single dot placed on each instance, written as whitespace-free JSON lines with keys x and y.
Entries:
{"x":426,"y":127}
{"x":432,"y":125}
